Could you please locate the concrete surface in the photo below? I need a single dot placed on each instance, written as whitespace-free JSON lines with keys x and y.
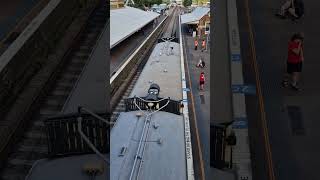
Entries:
{"x":221,"y":99}
{"x":295,"y":155}
{"x":90,"y":91}
{"x":221,"y":96}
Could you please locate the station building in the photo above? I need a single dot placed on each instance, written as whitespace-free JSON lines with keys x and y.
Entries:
{"x":198,"y":20}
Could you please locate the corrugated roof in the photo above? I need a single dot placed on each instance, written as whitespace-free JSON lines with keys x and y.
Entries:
{"x":126,"y":21}
{"x":195,"y":15}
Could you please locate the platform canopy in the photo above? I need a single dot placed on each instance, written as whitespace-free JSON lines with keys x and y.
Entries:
{"x":126,"y":21}
{"x":194,"y":16}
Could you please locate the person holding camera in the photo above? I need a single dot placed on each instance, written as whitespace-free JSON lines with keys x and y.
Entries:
{"x":295,"y":60}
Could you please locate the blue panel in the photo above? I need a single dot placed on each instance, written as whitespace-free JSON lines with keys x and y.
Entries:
{"x":240,"y":123}
{"x":186,"y":89}
{"x":244,"y":89}
{"x":235,"y":57}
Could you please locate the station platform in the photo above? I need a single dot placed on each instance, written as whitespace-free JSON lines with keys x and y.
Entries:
{"x":122,"y":51}
{"x":129,"y":36}
{"x":203,"y":98}
{"x":91,"y":88}
{"x":292,"y":117}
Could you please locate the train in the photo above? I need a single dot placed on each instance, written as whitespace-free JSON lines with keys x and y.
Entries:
{"x":148,"y":139}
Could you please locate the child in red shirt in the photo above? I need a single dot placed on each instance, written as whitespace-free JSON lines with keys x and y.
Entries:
{"x":295,"y":59}
{"x":201,"y":80}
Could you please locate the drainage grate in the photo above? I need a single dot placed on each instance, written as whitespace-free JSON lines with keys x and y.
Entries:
{"x":295,"y":116}
{"x":202,"y":99}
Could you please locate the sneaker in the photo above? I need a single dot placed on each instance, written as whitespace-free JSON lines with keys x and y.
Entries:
{"x":295,"y":87}
{"x":285,"y":83}
{"x":280,"y":16}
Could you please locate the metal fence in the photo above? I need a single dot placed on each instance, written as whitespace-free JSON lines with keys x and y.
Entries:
{"x":217,"y":146}
{"x":64,"y":139}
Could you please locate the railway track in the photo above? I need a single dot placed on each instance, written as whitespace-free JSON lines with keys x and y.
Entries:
{"x":168,"y":31}
{"x":33,"y":144}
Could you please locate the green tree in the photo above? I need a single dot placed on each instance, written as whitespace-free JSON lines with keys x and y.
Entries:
{"x":187,"y":3}
{"x":147,"y":3}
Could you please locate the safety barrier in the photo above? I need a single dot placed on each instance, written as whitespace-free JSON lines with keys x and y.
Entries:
{"x":217,"y":146}
{"x":64,"y":139}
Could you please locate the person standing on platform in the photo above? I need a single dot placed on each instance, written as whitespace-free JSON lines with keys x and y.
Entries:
{"x":201,"y":81}
{"x":195,"y":44}
{"x":203,"y":44}
{"x":295,"y":59}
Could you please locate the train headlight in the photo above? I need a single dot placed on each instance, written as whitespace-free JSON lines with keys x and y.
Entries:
{"x":153,"y":93}
{"x":150,"y":104}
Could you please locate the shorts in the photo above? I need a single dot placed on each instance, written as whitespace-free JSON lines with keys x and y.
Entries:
{"x":294,"y":67}
{"x":201,"y":82}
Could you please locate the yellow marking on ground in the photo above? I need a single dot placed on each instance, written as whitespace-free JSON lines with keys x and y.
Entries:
{"x":260,"y":97}
{"x":202,"y":174}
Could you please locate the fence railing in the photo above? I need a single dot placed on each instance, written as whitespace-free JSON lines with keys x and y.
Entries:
{"x":64,"y":138}
{"x":217,"y":146}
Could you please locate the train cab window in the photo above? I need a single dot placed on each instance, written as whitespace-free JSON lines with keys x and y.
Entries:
{"x":153,"y":91}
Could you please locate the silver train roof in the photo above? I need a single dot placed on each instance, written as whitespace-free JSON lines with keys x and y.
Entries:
{"x":67,"y":168}
{"x":163,"y":69}
{"x":164,"y":155}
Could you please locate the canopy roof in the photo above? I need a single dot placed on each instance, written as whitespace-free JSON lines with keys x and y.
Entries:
{"x":126,"y":21}
{"x":195,"y":15}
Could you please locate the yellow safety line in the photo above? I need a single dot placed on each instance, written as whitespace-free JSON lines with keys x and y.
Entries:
{"x":202,"y":174}
{"x":260,"y":97}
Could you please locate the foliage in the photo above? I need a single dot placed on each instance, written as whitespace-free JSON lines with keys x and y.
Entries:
{"x":147,"y":3}
{"x":187,"y":3}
